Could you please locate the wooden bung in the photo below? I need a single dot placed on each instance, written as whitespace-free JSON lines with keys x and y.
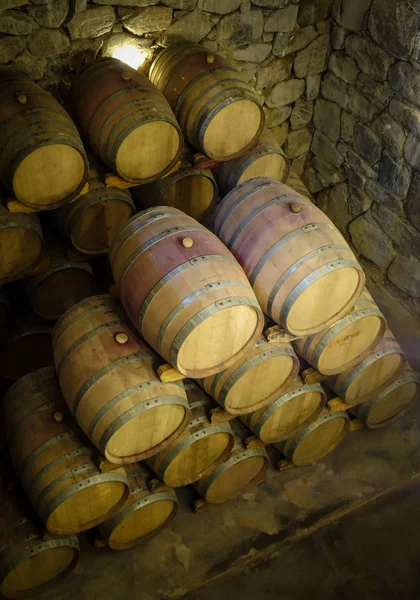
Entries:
{"x":303,"y":272}
{"x":117,"y":399}
{"x":219,"y":113}
{"x":190,"y":301}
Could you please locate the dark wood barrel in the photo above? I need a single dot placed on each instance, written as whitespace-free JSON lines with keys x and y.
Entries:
{"x":302,"y":270}
{"x":126,"y":120}
{"x":370,"y":376}
{"x":347,"y":342}
{"x":5,"y":312}
{"x":256,"y":380}
{"x":42,"y":159}
{"x":199,"y":449}
{"x":21,"y":244}
{"x":54,"y":462}
{"x":150,"y":507}
{"x":184,"y":291}
{"x":219,"y":113}
{"x":266,"y":159}
{"x":29,"y":557}
{"x":293,"y":410}
{"x":391,"y":403}
{"x":108,"y":378}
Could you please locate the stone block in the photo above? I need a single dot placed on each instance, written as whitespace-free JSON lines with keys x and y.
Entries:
{"x":370,"y":58}
{"x":92,"y":22}
{"x":52,"y":14}
{"x":312,"y":59}
{"x":361,"y":107}
{"x":15,"y":22}
{"x":412,"y":151}
{"x":354,"y":177}
{"x":370,"y":241}
{"x":180,"y":4}
{"x":327,"y":118}
{"x":379,"y":94}
{"x":255,"y":53}
{"x":402,"y":233}
{"x":298,"y":142}
{"x":274,"y":71}
{"x":298,"y":164}
{"x":343,"y":67}
{"x":391,"y":133}
{"x":338,"y":37}
{"x":348,"y":123}
{"x":383,"y":196}
{"x":48,"y":42}
{"x":313,"y":12}
{"x":326,"y":150}
{"x":240,"y":28}
{"x":356,"y":162}
{"x":123,"y":39}
{"x":302,"y":114}
{"x":394,"y":26}
{"x":283,"y":19}
{"x":394,"y":174}
{"x":270,"y":3}
{"x":351,"y":13}
{"x":311,"y":180}
{"x":134,"y":3}
{"x":276,"y":116}
{"x":10,"y":46}
{"x":288,"y":43}
{"x":404,"y":273}
{"x":285,"y":93}
{"x":358,"y":201}
{"x":221,"y":7}
{"x":407,"y":114}
{"x":405,"y":80}
{"x":336,"y":90}
{"x":280,"y":133}
{"x":7,"y":4}
{"x":29,"y":65}
{"x":412,"y":204}
{"x":333,"y":203}
{"x":313,"y":86}
{"x":367,"y":144}
{"x":327,"y":171}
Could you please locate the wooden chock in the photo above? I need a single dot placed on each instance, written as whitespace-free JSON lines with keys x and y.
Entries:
{"x":338,"y":405}
{"x":285,"y":465}
{"x":201,"y":505}
{"x":98,"y":540}
{"x":155,"y":485}
{"x":112,"y":180}
{"x":173,"y":170}
{"x":356,"y":425}
{"x":204,"y":162}
{"x":278,"y":334}
{"x":167,"y":373}
{"x":311,"y":375}
{"x":105,"y":466}
{"x":218,"y":415}
{"x":252,"y":443}
{"x":14,"y":206}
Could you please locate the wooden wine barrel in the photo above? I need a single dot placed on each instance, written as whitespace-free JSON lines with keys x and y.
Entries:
{"x":301,"y":268}
{"x":64,"y":283}
{"x":29,"y":560}
{"x":317,"y":440}
{"x":92,"y":221}
{"x":26,"y":347}
{"x":200,"y":448}
{"x":126,"y":120}
{"x":297,"y":185}
{"x":184,"y":291}
{"x":55,"y":465}
{"x":347,"y":342}
{"x":21,"y":244}
{"x":266,"y":159}
{"x":292,"y":411}
{"x":42,"y":159}
{"x":190,"y":189}
{"x":256,"y":380}
{"x":390,"y":404}
{"x":108,"y":379}
{"x":150,"y":507}
{"x":218,"y":111}
{"x":245,"y":469}
{"x":380,"y":368}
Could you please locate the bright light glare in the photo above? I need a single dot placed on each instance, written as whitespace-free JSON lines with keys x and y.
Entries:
{"x":131,"y":55}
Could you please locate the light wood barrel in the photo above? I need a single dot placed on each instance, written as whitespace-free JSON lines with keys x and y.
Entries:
{"x":29,"y":560}
{"x":25,"y":348}
{"x":42,"y":159}
{"x":21,"y":244}
{"x":316,"y":441}
{"x":190,"y":189}
{"x":347,"y":342}
{"x":245,"y":469}
{"x":108,"y":379}
{"x":384,"y":364}
{"x":266,"y":159}
{"x":292,"y":411}
{"x":92,"y":221}
{"x":301,"y":268}
{"x":297,"y":185}
{"x":218,"y":111}
{"x":390,"y":404}
{"x":184,"y":291}
{"x":256,"y":380}
{"x":200,"y":448}
{"x":150,"y":507}
{"x":54,"y":463}
{"x":126,"y":120}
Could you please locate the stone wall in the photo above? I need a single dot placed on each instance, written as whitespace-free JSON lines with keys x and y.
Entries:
{"x":365,"y":167}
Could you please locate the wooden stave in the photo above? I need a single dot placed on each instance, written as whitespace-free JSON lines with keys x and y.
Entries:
{"x":141,"y":494}
{"x":268,"y":295}
{"x":77,"y":453}
{"x":322,"y":339}
{"x":127,"y":268}
{"x":341,"y":382}
{"x":19,"y":333}
{"x":289,"y":447}
{"x":80,"y":96}
{"x":256,"y":421}
{"x":67,"y":134}
{"x":362,"y":411}
{"x":226,"y":379}
{"x":169,"y":79}
{"x":200,"y":426}
{"x":143,"y":352}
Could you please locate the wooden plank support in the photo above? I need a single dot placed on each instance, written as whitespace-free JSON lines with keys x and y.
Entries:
{"x":204,"y":162}
{"x":253,"y":442}
{"x":338,"y":405}
{"x":311,"y":375}
{"x":218,"y":415}
{"x":356,"y":425}
{"x":201,"y":505}
{"x":167,"y":373}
